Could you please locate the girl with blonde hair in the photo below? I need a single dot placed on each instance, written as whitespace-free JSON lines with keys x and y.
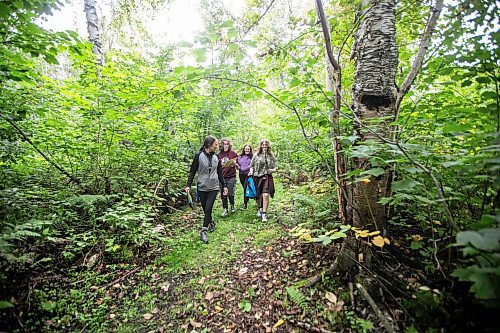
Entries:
{"x":262,"y":167}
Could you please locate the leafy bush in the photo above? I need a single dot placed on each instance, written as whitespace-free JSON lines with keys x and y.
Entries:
{"x":482,"y":247}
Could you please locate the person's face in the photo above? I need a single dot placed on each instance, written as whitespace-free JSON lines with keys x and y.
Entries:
{"x":247,"y":150}
{"x":264,"y":146}
{"x":225,"y":145}
{"x":213,"y":147}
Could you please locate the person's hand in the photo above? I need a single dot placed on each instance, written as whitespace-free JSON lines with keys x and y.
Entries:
{"x":250,"y":173}
{"x":272,"y":170}
{"x":225,"y":191}
{"x":187,"y":189}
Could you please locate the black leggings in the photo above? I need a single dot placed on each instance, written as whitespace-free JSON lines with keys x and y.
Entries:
{"x":244,"y":182}
{"x":207,"y":202}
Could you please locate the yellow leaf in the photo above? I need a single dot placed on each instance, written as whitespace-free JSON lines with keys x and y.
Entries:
{"x":387,"y":241}
{"x":279,"y":323}
{"x":366,"y":180}
{"x":378,"y":241}
{"x":306,"y":236}
{"x":363,"y":233}
{"x":218,"y":308}
{"x":374,"y":233}
{"x":416,"y":238}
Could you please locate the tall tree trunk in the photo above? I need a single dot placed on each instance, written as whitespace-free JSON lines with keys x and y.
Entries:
{"x":334,"y":84}
{"x":93,"y":30}
{"x":374,"y":103}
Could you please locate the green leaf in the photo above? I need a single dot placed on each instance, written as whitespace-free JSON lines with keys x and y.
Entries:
{"x":485,"y":239}
{"x":374,"y":172}
{"x":200,"y":54}
{"x":6,"y":305}
{"x":404,"y":185}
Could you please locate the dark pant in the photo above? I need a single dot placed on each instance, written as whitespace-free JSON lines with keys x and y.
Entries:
{"x":207,"y":202}
{"x":230,"y":183}
{"x":244,"y":183}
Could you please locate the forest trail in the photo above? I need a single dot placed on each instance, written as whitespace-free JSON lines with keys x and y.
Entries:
{"x":236,"y":283}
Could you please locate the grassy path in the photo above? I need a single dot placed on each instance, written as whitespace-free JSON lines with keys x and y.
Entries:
{"x":243,"y":280}
{"x":230,"y":284}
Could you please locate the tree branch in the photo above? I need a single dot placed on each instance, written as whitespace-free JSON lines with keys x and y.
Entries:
{"x":326,"y":35}
{"x":258,"y":20}
{"x":27,"y":139}
{"x":380,"y":315}
{"x":422,"y":49}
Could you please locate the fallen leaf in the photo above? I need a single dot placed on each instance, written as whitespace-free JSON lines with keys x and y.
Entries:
{"x":195,"y":324}
{"x":331,"y":297}
{"x":416,"y":238}
{"x":218,"y":308}
{"x":112,"y":315}
{"x":147,"y":316}
{"x":155,"y":311}
{"x":279,"y":323}
{"x":202,"y":280}
{"x":378,"y":241}
{"x":209,"y":296}
{"x":243,"y":270}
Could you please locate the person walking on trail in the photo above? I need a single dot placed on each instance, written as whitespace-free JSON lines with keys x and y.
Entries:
{"x":244,"y":162}
{"x":227,"y":157}
{"x":210,"y":180}
{"x":262,"y":167}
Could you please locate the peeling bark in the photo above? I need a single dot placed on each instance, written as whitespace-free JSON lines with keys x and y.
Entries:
{"x":374,"y":102}
{"x":93,"y":30}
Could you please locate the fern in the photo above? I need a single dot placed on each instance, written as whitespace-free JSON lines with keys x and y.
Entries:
{"x":11,"y":234}
{"x":5,"y":305}
{"x":297,"y":297}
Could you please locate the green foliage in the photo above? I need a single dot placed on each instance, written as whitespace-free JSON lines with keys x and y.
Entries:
{"x":483,"y":271}
{"x":297,"y":297}
{"x":245,"y":305}
{"x":427,"y":309}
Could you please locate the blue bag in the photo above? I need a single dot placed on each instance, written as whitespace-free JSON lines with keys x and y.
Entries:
{"x":250,"y":190}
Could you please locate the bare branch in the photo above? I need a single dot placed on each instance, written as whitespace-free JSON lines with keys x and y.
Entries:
{"x":380,"y":315}
{"x":27,"y":139}
{"x":422,"y":49}
{"x":326,"y":35}
{"x":258,"y":20}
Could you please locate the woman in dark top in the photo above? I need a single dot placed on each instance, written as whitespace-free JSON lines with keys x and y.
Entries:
{"x":227,"y":157}
{"x":209,"y":170}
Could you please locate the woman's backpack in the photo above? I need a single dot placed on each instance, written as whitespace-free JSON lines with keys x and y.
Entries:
{"x":250,"y":191}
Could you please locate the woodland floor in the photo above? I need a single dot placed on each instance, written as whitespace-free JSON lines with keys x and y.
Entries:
{"x":236,"y":283}
{"x":248,"y":278}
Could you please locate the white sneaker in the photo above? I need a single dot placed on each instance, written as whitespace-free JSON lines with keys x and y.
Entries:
{"x":224,"y":212}
{"x":259,"y":214}
{"x":264,"y":217}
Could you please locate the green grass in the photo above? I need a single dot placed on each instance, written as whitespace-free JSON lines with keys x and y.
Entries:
{"x":232,"y":232}
{"x":185,"y":262}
